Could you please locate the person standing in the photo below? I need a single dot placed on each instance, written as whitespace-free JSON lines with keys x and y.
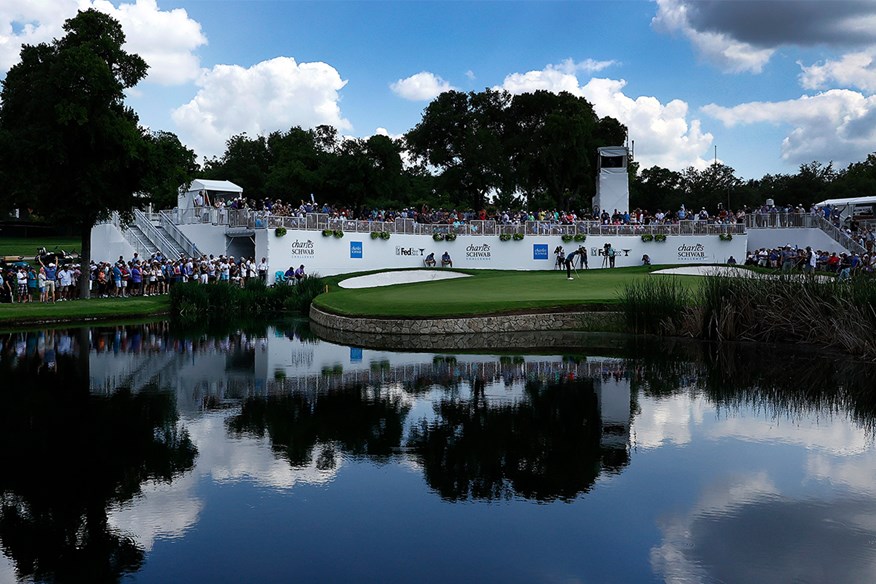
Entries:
{"x":811,"y":260}
{"x":263,"y":270}
{"x":65,"y":278}
{"x":21,"y":280}
{"x":570,"y":262}
{"x":41,"y":282}
{"x":51,"y":275}
{"x":32,"y":284}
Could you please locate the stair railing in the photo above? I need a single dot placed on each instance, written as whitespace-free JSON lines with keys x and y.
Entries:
{"x":188,"y":247}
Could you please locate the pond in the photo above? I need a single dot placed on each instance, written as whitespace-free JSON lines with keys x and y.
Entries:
{"x":145,"y":454}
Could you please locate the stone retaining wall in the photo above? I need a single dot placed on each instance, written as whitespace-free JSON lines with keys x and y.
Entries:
{"x":561,"y":321}
{"x":561,"y":341}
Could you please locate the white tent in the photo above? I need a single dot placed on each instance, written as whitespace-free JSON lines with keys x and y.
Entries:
{"x":849,"y":201}
{"x":211,"y":190}
{"x":851,"y":207}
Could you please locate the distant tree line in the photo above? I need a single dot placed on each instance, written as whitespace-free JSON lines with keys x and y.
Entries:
{"x":717,"y":184}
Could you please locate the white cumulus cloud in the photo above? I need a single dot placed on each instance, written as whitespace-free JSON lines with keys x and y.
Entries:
{"x":28,"y":22}
{"x":422,"y":86}
{"x":269,"y":96}
{"x":851,"y":70}
{"x":719,"y":48}
{"x":837,"y":125}
{"x":662,"y":132}
{"x":165,"y":39}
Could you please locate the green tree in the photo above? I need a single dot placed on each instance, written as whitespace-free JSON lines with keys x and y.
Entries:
{"x":70,"y":149}
{"x":656,"y":188}
{"x":461,"y":135}
{"x":295,"y":169}
{"x":552,"y":141}
{"x":170,"y":164}
{"x":246,"y":162}
{"x":708,"y":187}
{"x":811,"y":183}
{"x":856,"y":180}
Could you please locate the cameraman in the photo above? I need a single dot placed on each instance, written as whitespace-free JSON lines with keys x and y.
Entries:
{"x":561,"y":257}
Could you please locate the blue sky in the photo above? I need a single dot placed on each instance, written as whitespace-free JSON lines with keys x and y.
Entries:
{"x":772,"y":84}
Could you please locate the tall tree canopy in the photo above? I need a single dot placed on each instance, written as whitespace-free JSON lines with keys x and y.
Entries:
{"x":70,"y":149}
{"x":539,"y":145}
{"x":292,"y":164}
{"x":170,"y":164}
{"x":462,"y":134}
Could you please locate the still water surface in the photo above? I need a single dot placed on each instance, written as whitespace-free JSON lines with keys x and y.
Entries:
{"x":139,"y":454}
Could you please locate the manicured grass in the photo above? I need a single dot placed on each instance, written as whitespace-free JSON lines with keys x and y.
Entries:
{"x":27,"y":246}
{"x":80,"y":310}
{"x":487,"y":292}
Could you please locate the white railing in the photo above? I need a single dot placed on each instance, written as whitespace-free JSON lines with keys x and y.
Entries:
{"x":250,"y":219}
{"x":798,"y":220}
{"x":158,"y":239}
{"x":130,"y":236}
{"x":840,"y":236}
{"x":184,"y":243}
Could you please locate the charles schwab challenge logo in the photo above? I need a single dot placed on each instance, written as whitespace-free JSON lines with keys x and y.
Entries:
{"x":356,"y":249}
{"x":409,"y":251}
{"x":539,"y":251}
{"x":478,"y":252}
{"x":302,"y":248}
{"x":693,"y":252}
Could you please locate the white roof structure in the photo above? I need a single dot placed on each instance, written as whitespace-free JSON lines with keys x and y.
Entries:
{"x":223,"y":188}
{"x":220,"y":186}
{"x":850,"y":201}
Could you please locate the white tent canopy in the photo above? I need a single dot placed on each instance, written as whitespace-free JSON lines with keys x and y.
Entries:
{"x":851,"y":201}
{"x":211,"y":189}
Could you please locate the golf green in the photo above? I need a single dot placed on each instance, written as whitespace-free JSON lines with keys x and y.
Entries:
{"x":486,"y":292}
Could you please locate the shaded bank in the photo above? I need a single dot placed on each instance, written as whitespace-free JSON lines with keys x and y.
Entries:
{"x":83,"y":311}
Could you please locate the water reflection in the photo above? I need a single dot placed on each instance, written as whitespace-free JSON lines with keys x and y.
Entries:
{"x":544,"y":446}
{"x":349,"y":420}
{"x":67,"y":458}
{"x":112,"y":437}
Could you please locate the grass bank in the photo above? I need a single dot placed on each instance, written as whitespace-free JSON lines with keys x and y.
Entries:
{"x":17,"y":315}
{"x":27,"y":246}
{"x":487,"y":292}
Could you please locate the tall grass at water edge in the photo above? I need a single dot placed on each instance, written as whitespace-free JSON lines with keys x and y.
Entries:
{"x":789,"y":309}
{"x":192,"y":301}
{"x":654,"y":305}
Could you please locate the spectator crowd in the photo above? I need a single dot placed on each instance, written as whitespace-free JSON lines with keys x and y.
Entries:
{"x":126,"y":278}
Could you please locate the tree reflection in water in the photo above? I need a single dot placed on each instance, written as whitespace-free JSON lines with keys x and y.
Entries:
{"x":356,"y":420}
{"x":778,"y":380}
{"x":67,"y":457}
{"x":546,"y":446}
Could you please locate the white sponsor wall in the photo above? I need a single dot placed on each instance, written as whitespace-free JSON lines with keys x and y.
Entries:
{"x":799,"y":237}
{"x":357,"y":252}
